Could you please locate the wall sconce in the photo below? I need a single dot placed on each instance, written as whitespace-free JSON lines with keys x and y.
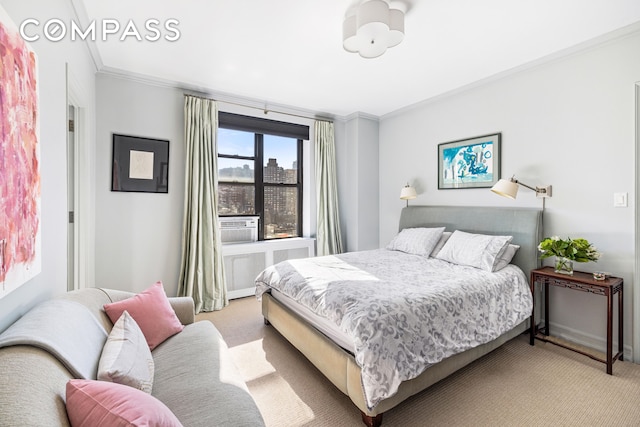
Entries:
{"x":509,"y":188}
{"x":407,"y":193}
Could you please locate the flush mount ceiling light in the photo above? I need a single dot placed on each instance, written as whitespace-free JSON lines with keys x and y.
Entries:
{"x":374,"y":28}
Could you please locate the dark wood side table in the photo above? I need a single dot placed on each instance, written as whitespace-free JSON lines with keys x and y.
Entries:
{"x":585,"y":282}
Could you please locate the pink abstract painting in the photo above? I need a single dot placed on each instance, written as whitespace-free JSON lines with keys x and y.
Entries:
{"x":20,"y":242}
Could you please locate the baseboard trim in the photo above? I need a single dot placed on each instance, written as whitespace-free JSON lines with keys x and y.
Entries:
{"x":589,"y":340}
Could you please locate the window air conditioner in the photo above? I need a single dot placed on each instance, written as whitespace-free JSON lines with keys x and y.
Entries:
{"x":238,"y":229}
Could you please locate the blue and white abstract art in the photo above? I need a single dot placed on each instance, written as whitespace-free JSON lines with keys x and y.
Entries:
{"x":469,"y":163}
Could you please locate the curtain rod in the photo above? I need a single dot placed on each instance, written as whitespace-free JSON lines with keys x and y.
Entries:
{"x":265,"y":110}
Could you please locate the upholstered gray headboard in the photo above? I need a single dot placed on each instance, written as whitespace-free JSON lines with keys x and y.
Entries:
{"x":524,"y":224}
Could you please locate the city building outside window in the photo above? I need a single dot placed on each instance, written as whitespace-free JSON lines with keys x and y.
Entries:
{"x":260,"y":174}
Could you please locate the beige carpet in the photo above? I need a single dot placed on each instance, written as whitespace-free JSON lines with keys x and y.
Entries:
{"x":516,"y":385}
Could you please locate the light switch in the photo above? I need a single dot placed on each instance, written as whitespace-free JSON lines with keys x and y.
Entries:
{"x":620,"y":200}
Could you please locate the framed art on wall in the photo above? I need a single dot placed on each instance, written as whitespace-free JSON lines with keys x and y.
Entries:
{"x":140,"y":164}
{"x":20,"y":176}
{"x":469,"y":163}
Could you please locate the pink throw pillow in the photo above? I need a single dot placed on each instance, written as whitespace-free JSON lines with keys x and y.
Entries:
{"x":99,"y":403}
{"x":152,"y":312}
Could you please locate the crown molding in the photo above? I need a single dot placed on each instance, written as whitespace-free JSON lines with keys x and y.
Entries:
{"x":361,"y":115}
{"x":83,"y":18}
{"x":221,"y":97}
{"x":597,"y":42}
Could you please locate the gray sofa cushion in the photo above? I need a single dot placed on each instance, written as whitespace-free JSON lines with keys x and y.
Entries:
{"x":202,"y":391}
{"x":32,"y":388}
{"x":198,"y":383}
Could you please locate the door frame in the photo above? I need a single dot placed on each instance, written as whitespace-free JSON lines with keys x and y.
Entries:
{"x":83,"y":254}
{"x":635,"y":327}
{"x":72,"y":194}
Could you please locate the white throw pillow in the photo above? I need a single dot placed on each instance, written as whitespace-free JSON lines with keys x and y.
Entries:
{"x":475,"y":250}
{"x":417,"y":241}
{"x":505,"y":258}
{"x":126,"y":358}
{"x":443,"y":239}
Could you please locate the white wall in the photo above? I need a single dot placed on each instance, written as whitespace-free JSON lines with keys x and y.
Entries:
{"x":569,"y":123}
{"x":52,"y":60}
{"x":357,"y":164}
{"x":139,"y":235}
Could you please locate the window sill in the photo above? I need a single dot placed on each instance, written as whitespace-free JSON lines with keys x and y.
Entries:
{"x":268,"y":245}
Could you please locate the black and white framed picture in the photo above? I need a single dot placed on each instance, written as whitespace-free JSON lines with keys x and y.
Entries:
{"x":140,"y":164}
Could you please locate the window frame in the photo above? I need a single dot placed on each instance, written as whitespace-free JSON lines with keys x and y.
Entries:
{"x":261,"y":127}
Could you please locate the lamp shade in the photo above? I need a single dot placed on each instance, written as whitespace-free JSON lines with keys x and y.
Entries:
{"x":396,"y":27}
{"x":408,"y":193}
{"x":350,"y":40}
{"x":505,"y":188}
{"x":372,"y":29}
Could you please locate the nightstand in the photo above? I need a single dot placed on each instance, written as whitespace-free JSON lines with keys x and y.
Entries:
{"x":580,"y":281}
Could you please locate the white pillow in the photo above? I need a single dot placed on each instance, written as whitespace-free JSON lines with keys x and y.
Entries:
{"x":475,"y":250}
{"x":417,"y":241}
{"x":126,"y":358}
{"x":443,"y":239}
{"x":505,"y":258}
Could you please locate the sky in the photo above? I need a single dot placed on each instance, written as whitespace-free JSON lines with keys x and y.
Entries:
{"x":242,"y":143}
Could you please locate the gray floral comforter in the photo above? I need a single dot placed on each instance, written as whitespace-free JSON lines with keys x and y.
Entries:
{"x":404,"y":312}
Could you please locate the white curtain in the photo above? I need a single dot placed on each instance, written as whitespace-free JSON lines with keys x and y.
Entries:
{"x":328,"y":236}
{"x":202,"y":269}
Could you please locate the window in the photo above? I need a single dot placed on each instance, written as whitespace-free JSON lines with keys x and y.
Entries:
{"x":260,"y":172}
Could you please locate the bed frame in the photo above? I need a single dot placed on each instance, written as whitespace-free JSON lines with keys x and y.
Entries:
{"x":339,"y":366}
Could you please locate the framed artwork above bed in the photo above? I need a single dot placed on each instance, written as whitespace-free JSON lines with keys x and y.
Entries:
{"x":469,"y":163}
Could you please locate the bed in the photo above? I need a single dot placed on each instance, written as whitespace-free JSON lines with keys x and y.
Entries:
{"x":360,"y":367}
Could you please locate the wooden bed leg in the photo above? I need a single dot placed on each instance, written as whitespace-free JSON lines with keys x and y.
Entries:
{"x":370,"y":421}
{"x":266,"y":321}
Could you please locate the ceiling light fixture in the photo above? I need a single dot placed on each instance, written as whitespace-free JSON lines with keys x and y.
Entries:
{"x":372,"y":29}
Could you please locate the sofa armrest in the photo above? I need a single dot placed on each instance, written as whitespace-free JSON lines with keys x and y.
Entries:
{"x":183,"y":306}
{"x":185,"y":309}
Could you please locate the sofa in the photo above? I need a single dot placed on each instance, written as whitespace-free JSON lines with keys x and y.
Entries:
{"x":194,"y":376}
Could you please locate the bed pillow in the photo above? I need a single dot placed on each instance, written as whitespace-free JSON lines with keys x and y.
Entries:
{"x":126,"y":358}
{"x":443,"y":239}
{"x":98,"y":403}
{"x":152,"y":312}
{"x":505,"y":258}
{"x":417,"y":241}
{"x":475,"y":250}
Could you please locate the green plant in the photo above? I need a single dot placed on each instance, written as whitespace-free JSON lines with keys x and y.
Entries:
{"x":579,"y":250}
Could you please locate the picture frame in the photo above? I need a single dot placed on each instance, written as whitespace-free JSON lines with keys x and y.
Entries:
{"x":469,"y":163}
{"x":20,"y":173}
{"x":140,"y":164}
